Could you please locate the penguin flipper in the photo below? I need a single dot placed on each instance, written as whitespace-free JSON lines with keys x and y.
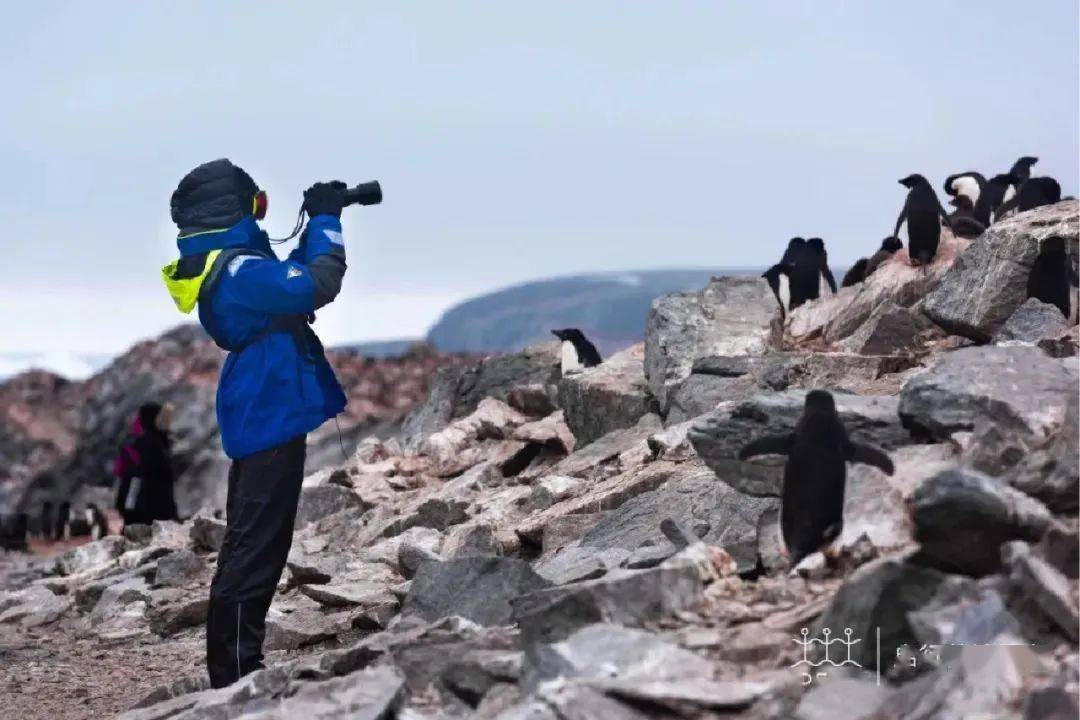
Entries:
{"x":870,"y":455}
{"x":767,"y":445}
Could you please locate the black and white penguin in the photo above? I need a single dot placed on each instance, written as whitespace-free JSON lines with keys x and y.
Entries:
{"x":817,"y":245}
{"x":1021,"y":169}
{"x":923,"y":214}
{"x":99,"y":524}
{"x":889,"y":247}
{"x":973,"y":186}
{"x":963,"y":220}
{"x":46,"y":521}
{"x":812,"y":501}
{"x":13,"y":531}
{"x":63,"y":515}
{"x":999,"y":190}
{"x":855,"y":274}
{"x":779,"y":279}
{"x":1033,"y":192}
{"x":1052,"y":275}
{"x":577,"y":352}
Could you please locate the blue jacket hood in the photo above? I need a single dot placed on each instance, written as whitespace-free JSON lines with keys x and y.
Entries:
{"x":245,"y":234}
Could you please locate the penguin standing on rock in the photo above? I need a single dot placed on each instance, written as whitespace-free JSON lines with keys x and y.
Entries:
{"x":577,"y":352}
{"x":856,"y":274}
{"x":812,"y":501}
{"x":923,"y":214}
{"x":889,"y":247}
{"x":1052,"y":276}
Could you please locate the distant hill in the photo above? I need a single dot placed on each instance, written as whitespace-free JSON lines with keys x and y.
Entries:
{"x":610,"y":308}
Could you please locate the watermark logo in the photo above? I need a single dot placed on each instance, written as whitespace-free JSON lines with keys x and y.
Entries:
{"x":835,"y":657}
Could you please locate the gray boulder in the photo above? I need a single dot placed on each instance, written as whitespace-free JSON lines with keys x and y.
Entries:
{"x":1017,"y":389}
{"x":178,"y":568}
{"x":962,"y":517}
{"x":322,"y":500}
{"x":610,"y":396}
{"x":988,"y":282}
{"x":478,"y":588}
{"x":303,"y":626}
{"x":1033,"y":321}
{"x":730,"y":316}
{"x":1051,"y":472}
{"x":718,"y":436}
{"x":1048,"y":588}
{"x":207,"y":533}
{"x":879,"y":596}
{"x":718,"y":515}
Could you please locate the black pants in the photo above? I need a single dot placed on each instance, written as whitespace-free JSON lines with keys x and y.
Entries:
{"x":260,"y":510}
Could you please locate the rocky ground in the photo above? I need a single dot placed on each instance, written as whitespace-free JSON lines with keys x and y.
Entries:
{"x":590,"y":547}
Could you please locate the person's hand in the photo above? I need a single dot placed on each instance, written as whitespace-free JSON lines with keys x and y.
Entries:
{"x":325,"y":198}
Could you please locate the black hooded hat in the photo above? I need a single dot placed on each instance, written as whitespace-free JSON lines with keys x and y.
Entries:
{"x":213,"y":196}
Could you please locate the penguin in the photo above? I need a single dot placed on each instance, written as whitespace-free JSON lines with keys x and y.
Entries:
{"x":856,"y":274}
{"x":577,"y":352}
{"x":48,"y":515}
{"x":924,"y":215}
{"x":999,"y":190}
{"x":1021,"y":169}
{"x":822,"y":258}
{"x":1033,"y":192}
{"x":812,"y":500}
{"x":1052,"y":275}
{"x":779,"y":279}
{"x":99,"y":525}
{"x":973,"y":186}
{"x":889,"y":247}
{"x":60,"y":527}
{"x":963,"y":220}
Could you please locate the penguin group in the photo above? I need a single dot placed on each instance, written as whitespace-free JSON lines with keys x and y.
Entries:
{"x":977,"y":203}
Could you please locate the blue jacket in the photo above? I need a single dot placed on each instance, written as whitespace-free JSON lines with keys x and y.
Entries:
{"x":278,"y":384}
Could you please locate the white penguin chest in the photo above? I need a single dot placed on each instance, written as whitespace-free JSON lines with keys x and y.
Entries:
{"x":569,"y":357}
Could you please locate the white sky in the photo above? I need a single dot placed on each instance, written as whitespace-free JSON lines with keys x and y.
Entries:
{"x":513,"y":140}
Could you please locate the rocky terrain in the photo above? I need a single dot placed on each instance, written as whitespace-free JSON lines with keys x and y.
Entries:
{"x":57,"y":438}
{"x":537,"y":547}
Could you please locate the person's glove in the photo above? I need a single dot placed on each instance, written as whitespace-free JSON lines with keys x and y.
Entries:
{"x":325,"y":198}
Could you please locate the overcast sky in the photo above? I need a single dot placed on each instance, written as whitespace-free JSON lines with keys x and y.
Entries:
{"x":513,"y":140}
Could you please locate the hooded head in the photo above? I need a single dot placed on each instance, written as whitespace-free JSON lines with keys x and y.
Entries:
{"x":213,"y":196}
{"x":820,"y":401}
{"x":817,"y":244}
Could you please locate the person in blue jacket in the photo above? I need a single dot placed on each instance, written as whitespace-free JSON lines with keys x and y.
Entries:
{"x":275,"y":386}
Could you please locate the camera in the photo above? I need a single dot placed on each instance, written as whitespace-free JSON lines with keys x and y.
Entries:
{"x":369,"y":193}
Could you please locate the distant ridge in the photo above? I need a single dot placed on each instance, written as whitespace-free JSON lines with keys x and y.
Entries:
{"x":610,"y":308}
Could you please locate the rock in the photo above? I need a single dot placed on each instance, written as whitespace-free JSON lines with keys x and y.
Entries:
{"x":988,"y":282}
{"x":480,"y":589}
{"x":177,"y":568}
{"x":472,"y":540}
{"x":1050,"y":590}
{"x":574,"y":701}
{"x":1051,"y":703}
{"x":1033,"y":321}
{"x":169,"y":534}
{"x":371,"y":694}
{"x":718,"y":436}
{"x":879,"y":596}
{"x":577,"y":563}
{"x":624,"y":597}
{"x":1062,"y":344}
{"x":875,"y":504}
{"x":672,"y":444}
{"x":1051,"y":472}
{"x":33,"y":606}
{"x":728,"y":518}
{"x":457,"y":391}
{"x":1061,"y":548}
{"x":92,"y":556}
{"x":731,"y":316}
{"x":113,"y":599}
{"x":1018,"y":389}
{"x":842,"y":698}
{"x":350,"y":594}
{"x":895,"y":284}
{"x":207,"y":533}
{"x":586,"y":459}
{"x":411,"y":556}
{"x":307,"y":569}
{"x":891,"y":329}
{"x":552,"y":432}
{"x":965,"y":615}
{"x":178,"y":613}
{"x":137,"y":534}
{"x":610,"y":396}
{"x":454,"y":448}
{"x":962,"y":517}
{"x":441,"y":513}
{"x":679,"y":694}
{"x":288,"y":631}
{"x":551,"y":489}
{"x":323,"y":500}
{"x":604,"y":652}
